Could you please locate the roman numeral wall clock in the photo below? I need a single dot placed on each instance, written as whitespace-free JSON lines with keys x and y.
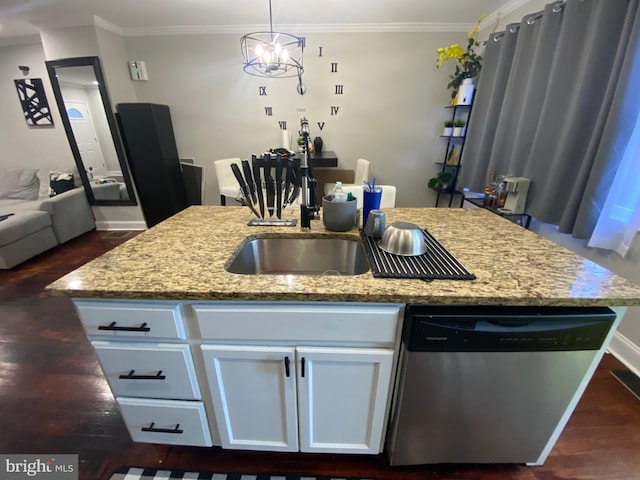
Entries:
{"x":321,"y":104}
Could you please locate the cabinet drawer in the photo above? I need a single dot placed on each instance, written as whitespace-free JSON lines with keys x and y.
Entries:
{"x":133,"y":320}
{"x":172,"y":422}
{"x":155,"y":370}
{"x":295,"y":323}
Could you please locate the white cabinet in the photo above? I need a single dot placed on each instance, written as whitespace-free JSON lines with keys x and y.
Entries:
{"x":339,"y":406}
{"x":154,"y":370}
{"x":174,"y":422}
{"x":308,"y":377}
{"x":274,"y":376}
{"x":254,"y":396}
{"x":342,"y":397}
{"x":155,"y":384}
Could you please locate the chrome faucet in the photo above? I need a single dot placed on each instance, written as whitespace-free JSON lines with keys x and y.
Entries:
{"x":308,"y":205}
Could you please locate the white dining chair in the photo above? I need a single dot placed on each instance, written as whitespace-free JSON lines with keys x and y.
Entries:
{"x":361,"y":174}
{"x":227,"y":183}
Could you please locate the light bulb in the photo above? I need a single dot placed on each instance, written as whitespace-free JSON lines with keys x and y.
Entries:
{"x":277,"y":49}
{"x":285,"y":55}
{"x":259,"y":50}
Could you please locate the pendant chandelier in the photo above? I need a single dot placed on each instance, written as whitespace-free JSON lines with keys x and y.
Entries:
{"x":272,"y":54}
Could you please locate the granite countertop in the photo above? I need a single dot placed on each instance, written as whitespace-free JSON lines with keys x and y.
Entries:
{"x":183,"y":258}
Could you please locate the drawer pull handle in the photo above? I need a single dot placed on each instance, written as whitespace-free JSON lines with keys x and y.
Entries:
{"x":302,"y":367}
{"x":112,"y":326}
{"x":286,"y":366}
{"x":131,"y":376}
{"x":151,"y":428}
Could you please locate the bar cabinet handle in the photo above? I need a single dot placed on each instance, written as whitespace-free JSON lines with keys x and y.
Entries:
{"x":131,"y":376}
{"x":302,"y":362}
{"x":151,"y":428}
{"x":286,"y":366}
{"x":112,"y":326}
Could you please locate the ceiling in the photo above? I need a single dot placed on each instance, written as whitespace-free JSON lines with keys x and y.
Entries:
{"x":23,"y":18}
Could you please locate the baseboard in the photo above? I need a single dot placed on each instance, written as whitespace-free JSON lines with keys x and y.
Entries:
{"x":626,"y":351}
{"x":120,"y":225}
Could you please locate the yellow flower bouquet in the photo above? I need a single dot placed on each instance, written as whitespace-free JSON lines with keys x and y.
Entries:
{"x":468,"y":62}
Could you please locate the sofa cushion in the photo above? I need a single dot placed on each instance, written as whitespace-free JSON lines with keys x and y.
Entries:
{"x":21,"y":184}
{"x":21,"y":224}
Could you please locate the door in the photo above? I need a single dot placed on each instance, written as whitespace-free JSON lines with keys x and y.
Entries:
{"x":342,"y":398}
{"x":85,"y":133}
{"x":254,"y":396}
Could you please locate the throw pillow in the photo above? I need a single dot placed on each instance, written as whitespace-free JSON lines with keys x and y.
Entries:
{"x":60,"y":183}
{"x":21,"y":184}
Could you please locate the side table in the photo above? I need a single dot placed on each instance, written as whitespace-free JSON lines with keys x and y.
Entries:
{"x":522,"y":219}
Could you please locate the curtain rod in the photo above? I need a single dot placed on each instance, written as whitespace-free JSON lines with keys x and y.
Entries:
{"x":530,"y":19}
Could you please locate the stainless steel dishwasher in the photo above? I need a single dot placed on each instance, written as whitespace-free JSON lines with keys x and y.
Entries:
{"x":489,"y":384}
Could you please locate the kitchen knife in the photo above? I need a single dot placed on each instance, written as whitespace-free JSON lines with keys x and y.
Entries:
{"x":256,"y":178}
{"x":249,"y":179}
{"x":243,"y":187}
{"x":278,"y":186}
{"x":270,"y":184}
{"x":296,"y":181}
{"x":288,"y":180}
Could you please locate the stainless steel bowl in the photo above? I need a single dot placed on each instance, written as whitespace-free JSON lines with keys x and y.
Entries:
{"x":403,"y":238}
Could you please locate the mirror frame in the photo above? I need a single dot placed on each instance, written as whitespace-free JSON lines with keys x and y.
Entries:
{"x":94,"y":62}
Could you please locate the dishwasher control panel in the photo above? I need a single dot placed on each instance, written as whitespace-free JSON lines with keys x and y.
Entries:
{"x":467,"y":329}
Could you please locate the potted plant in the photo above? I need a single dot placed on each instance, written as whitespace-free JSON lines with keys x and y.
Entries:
{"x":468,"y":63}
{"x":440,"y":182}
{"x":448,"y":128}
{"x":458,"y":127}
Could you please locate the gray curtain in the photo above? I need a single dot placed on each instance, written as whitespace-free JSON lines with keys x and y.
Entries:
{"x":544,"y":96}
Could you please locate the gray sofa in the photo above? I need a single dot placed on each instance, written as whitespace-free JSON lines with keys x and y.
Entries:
{"x":37,"y":221}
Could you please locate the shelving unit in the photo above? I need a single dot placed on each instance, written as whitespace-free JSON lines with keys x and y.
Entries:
{"x":455,"y":146}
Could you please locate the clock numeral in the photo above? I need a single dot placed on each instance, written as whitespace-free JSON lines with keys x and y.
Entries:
{"x":334,"y":111}
{"x":320,"y":125}
{"x":319,"y":51}
{"x":301,"y":110}
{"x":339,"y":89}
{"x":268,"y":111}
{"x":263,"y":91}
{"x":283,"y":124}
{"x":334,"y":67}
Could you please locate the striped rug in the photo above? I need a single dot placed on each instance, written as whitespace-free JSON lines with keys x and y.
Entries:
{"x":137,"y":473}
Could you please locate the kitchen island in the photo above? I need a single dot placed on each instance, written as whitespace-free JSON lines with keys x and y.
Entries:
{"x":196,"y":355}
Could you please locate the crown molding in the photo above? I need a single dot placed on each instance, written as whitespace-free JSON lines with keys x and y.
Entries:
{"x":106,"y":25}
{"x":495,"y":17}
{"x":414,"y":27}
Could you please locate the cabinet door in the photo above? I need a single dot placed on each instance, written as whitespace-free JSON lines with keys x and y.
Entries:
{"x":342,"y":398}
{"x":254,"y":396}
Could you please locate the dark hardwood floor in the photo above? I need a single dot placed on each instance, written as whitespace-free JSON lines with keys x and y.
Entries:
{"x":53,"y":399}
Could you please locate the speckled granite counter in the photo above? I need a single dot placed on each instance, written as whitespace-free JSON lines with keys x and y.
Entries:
{"x":184,"y":258}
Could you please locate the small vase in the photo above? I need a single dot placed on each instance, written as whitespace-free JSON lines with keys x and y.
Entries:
{"x":447,"y":132}
{"x":317,"y":144}
{"x":465,"y":92}
{"x":457,"y":131}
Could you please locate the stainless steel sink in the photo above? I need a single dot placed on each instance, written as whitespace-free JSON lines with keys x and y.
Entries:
{"x":300,"y":256}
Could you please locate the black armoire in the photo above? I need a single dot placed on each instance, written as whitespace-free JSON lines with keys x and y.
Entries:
{"x":150,"y":146}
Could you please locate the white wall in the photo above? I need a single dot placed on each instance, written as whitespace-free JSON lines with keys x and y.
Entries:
{"x":391,"y":111}
{"x":21,"y":145}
